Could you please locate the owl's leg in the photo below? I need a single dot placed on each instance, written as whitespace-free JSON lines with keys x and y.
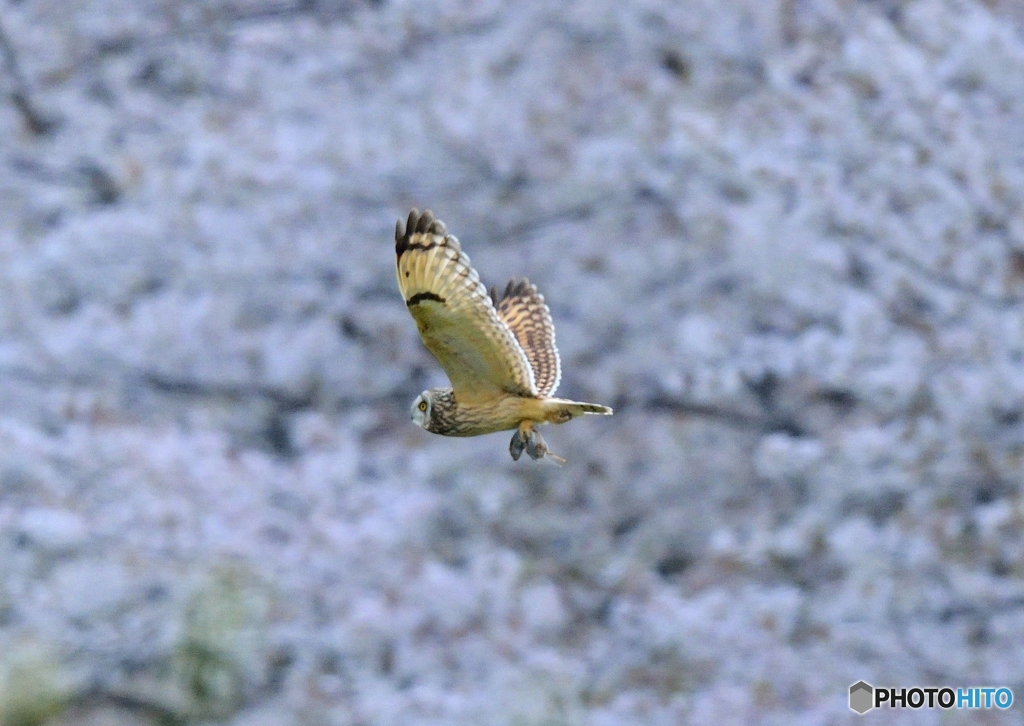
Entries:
{"x":536,"y":447}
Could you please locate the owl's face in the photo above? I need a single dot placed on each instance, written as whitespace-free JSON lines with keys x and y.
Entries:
{"x":434,"y":409}
{"x":421,"y":409}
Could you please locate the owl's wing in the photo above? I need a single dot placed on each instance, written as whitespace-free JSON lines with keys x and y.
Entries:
{"x":523,"y":310}
{"x":456,"y":319}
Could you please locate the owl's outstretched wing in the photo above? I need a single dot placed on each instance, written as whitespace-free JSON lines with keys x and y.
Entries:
{"x":456,"y":319}
{"x":523,"y":310}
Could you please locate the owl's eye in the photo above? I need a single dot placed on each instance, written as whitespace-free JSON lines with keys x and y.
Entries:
{"x":422,"y":406}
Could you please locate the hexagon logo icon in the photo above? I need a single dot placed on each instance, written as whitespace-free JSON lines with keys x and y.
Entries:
{"x":862,"y":697}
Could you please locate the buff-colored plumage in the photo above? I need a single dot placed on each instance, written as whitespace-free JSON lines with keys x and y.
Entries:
{"x":502,"y":361}
{"x":454,"y":314}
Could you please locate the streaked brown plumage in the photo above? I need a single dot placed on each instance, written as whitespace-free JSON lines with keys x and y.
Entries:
{"x":522,"y":309}
{"x":501,"y":360}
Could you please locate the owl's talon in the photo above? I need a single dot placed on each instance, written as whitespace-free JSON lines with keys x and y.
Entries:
{"x":517,"y":445}
{"x":535,"y":445}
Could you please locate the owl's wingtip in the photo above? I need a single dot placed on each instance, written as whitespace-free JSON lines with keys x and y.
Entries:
{"x":423,"y":224}
{"x":419,"y":223}
{"x":519,"y":287}
{"x":404,"y":228}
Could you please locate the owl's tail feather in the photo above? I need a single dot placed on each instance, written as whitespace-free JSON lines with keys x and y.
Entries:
{"x":581,"y":408}
{"x":560,"y":410}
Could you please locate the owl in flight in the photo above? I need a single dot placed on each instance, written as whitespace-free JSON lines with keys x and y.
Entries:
{"x":500,"y":355}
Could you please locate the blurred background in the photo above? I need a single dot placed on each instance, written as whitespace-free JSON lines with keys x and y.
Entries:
{"x":783,"y":238}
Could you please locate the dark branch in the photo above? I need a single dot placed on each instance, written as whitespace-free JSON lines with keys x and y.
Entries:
{"x":36,"y":122}
{"x":770,"y":422}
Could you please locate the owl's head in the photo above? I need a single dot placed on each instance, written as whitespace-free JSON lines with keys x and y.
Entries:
{"x":421,"y":409}
{"x":432,"y":410}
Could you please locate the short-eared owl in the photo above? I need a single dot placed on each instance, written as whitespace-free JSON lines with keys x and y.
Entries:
{"x":500,"y":355}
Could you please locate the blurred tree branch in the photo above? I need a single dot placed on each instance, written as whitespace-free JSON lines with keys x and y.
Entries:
{"x":769,"y":422}
{"x":35,"y":120}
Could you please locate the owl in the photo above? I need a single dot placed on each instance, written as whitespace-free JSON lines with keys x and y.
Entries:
{"x":499,"y":354}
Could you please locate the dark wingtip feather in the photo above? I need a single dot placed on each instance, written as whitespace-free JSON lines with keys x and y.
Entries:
{"x":403,"y":231}
{"x":425,"y":221}
{"x":417,"y":223}
{"x":518,"y":287}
